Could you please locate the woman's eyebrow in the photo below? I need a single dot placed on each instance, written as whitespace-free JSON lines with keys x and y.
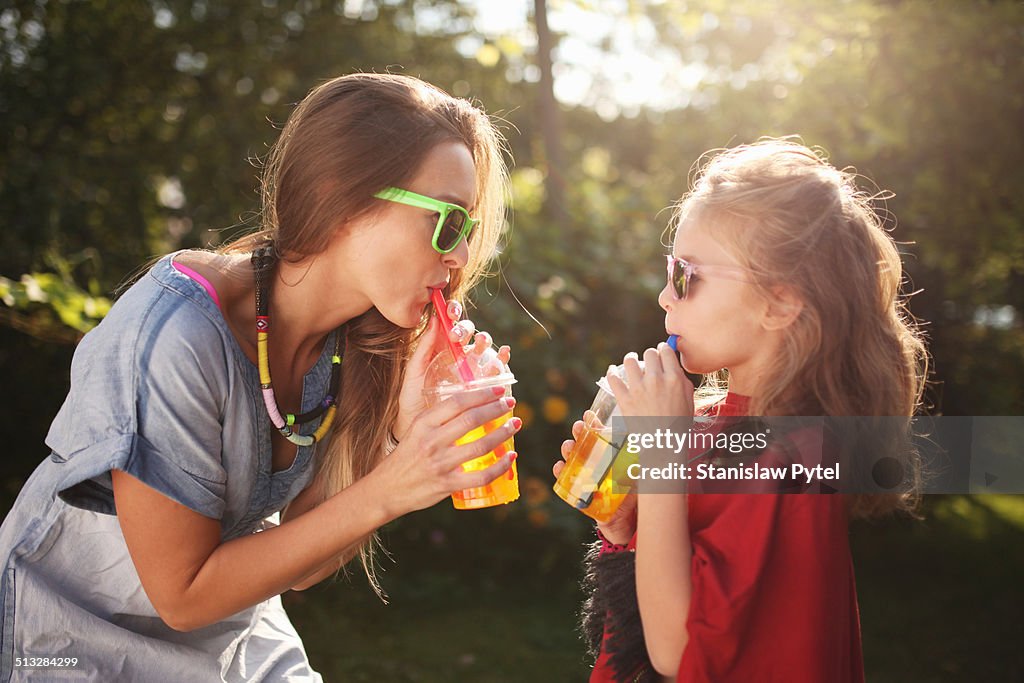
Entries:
{"x":452,"y":199}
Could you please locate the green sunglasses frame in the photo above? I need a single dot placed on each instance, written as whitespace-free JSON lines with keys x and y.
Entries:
{"x":444,"y":209}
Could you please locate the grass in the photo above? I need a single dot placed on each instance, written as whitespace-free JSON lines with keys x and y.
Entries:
{"x":941,"y":600}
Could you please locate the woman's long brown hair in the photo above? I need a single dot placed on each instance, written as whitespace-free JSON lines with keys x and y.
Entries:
{"x":349,"y":138}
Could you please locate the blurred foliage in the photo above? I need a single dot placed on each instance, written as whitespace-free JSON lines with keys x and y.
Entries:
{"x":132,"y":129}
{"x":50,"y":305}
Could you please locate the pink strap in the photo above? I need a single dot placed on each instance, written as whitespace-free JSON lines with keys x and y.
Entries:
{"x":185,"y":270}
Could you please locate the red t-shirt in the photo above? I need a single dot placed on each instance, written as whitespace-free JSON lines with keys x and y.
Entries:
{"x":773,"y":593}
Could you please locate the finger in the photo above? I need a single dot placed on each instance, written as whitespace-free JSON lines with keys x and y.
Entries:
{"x":652,"y":363}
{"x":465,"y":424}
{"x":470,"y":480}
{"x":457,"y":455}
{"x":481,"y":342}
{"x":591,"y":420}
{"x":454,"y":310}
{"x":505,"y":354}
{"x":631,"y":368}
{"x":567,"y":447}
{"x":428,"y":346}
{"x":461,"y":332}
{"x":557,"y":468}
{"x":619,"y":388}
{"x":578,"y":426}
{"x":670,"y":362}
{"x":450,"y":408}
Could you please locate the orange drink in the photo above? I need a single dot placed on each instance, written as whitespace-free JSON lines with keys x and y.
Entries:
{"x":505,"y":488}
{"x":593,"y":480}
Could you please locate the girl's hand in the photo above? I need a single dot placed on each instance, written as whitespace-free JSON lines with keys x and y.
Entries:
{"x":621,"y":527}
{"x":410,"y":398}
{"x":659,"y":389}
{"x":427,"y":465}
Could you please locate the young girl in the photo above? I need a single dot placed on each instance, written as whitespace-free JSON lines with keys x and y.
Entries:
{"x":782,"y":277}
{"x":201,"y":406}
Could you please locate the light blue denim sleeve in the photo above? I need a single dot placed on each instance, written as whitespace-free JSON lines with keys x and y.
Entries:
{"x":148,"y":394}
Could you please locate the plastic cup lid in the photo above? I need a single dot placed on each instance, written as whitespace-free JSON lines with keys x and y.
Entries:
{"x":445,"y":390}
{"x":616,"y":370}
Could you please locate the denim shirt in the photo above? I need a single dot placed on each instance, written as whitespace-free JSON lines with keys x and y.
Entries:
{"x":161,"y":390}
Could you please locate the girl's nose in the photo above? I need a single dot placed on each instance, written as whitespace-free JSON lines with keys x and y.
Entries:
{"x":457,"y":257}
{"x":665,"y":298}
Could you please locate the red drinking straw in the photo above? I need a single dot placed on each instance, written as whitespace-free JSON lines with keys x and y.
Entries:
{"x":441,"y":308}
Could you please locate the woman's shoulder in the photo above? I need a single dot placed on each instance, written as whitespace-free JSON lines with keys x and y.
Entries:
{"x":161,"y":322}
{"x":167,"y":302}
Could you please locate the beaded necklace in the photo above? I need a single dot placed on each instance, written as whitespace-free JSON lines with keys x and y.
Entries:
{"x":262,"y":261}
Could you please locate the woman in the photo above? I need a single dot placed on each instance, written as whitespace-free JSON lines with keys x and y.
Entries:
{"x":196,"y":406}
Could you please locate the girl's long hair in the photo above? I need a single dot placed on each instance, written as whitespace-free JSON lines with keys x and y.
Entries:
{"x":794,"y":220}
{"x":349,"y":138}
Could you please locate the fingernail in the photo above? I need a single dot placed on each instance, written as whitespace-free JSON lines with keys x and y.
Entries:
{"x":512,"y":456}
{"x":459,"y":331}
{"x":509,"y":402}
{"x":454,"y":310}
{"x":516,"y":423}
{"x":511,"y":473}
{"x":498,"y":391}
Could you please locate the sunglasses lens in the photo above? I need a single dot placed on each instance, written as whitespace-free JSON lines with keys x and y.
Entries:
{"x":679,"y":281}
{"x":451,"y":230}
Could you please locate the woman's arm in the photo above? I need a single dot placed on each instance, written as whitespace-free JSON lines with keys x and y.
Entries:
{"x":193,"y":580}
{"x":410,"y":405}
{"x":308,"y":499}
{"x":663,"y":556}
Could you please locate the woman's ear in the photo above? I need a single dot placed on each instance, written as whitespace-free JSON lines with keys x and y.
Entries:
{"x":784,"y":306}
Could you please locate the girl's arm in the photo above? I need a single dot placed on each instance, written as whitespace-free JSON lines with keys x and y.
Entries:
{"x":663,"y":550}
{"x":193,"y":579}
{"x":663,"y":556}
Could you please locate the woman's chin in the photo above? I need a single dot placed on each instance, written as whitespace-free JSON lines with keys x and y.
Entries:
{"x":407,"y":317}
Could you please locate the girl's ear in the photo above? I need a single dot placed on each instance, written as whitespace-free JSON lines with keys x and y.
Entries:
{"x":784,"y":306}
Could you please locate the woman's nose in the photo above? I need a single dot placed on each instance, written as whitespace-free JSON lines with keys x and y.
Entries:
{"x":457,"y":257}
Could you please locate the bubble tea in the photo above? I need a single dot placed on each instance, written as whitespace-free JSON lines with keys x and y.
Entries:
{"x":594,"y":478}
{"x":467,"y":369}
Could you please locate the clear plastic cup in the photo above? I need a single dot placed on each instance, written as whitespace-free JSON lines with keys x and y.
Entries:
{"x":444,"y":378}
{"x":593,"y":480}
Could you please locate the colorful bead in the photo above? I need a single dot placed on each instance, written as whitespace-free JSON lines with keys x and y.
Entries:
{"x":262,"y":260}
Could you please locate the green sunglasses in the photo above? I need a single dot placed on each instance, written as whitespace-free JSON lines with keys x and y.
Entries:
{"x":453,"y":221}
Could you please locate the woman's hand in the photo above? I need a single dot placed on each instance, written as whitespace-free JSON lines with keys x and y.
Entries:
{"x":659,"y":389}
{"x":410,"y":398}
{"x":621,"y":527}
{"x":427,"y":465}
